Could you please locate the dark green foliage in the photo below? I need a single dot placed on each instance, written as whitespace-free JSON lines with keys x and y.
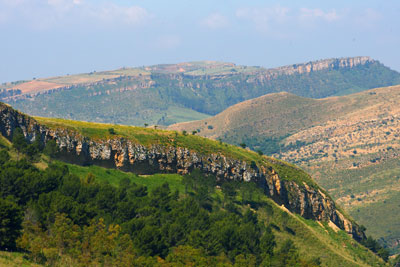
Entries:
{"x":287,"y":254}
{"x":373,"y":245}
{"x":21,"y":145}
{"x":155,"y":222}
{"x":11,"y":217}
{"x":111,"y":131}
{"x":4,"y":157}
{"x":51,"y":148}
{"x":18,"y":140}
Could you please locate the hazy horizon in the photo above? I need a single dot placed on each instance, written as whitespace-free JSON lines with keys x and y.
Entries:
{"x":59,"y":37}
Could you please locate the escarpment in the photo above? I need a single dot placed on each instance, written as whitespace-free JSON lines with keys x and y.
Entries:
{"x":125,"y":154}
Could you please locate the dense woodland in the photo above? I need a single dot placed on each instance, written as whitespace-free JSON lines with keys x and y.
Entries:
{"x":59,"y":219}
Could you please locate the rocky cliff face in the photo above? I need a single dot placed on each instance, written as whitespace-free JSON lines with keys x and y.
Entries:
{"x":333,"y":63}
{"x":129,"y":156}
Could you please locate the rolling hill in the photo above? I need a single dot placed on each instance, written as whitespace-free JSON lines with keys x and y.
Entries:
{"x":171,"y":93}
{"x":349,"y":144}
{"x":229,"y":205}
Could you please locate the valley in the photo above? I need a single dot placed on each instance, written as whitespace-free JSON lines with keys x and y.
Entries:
{"x":349,"y":144}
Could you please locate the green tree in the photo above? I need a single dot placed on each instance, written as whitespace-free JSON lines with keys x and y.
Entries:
{"x":267,"y":243}
{"x":111,"y":131}
{"x":11,"y":217}
{"x":51,"y":148}
{"x":287,"y":255}
{"x":18,"y":141}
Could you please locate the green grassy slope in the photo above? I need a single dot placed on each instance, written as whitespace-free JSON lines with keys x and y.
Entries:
{"x":314,"y":240}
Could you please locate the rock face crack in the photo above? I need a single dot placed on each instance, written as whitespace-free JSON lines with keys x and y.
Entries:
{"x":126,"y":155}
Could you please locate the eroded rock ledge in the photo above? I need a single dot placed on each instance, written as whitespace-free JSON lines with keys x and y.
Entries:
{"x":123,"y":154}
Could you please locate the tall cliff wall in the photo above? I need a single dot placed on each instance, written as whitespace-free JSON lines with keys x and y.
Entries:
{"x":124,"y":154}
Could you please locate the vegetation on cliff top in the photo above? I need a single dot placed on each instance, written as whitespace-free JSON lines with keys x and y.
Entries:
{"x":83,"y":220}
{"x":203,"y":146}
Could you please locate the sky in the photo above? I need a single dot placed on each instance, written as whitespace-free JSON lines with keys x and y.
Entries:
{"x":43,"y":38}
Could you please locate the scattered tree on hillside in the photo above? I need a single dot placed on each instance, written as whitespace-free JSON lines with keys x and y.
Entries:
{"x":18,"y":141}
{"x":51,"y":148}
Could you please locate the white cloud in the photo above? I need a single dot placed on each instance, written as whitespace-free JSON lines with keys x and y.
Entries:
{"x":282,"y":21}
{"x":46,"y":14}
{"x":114,"y":13}
{"x":264,"y":18}
{"x":215,"y":21}
{"x":316,"y":13}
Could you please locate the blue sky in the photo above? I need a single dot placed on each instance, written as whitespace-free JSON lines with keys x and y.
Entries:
{"x":41,"y":38}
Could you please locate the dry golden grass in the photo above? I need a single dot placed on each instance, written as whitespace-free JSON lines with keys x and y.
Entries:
{"x":36,"y":86}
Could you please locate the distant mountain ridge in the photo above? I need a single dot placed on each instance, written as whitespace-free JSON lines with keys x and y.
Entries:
{"x":34,"y":88}
{"x":171,"y":93}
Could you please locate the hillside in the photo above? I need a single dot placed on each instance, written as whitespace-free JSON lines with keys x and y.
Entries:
{"x":171,"y":93}
{"x":221,"y":204}
{"x":349,"y":144}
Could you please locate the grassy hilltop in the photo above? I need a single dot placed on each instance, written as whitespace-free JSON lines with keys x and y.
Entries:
{"x":349,"y":144}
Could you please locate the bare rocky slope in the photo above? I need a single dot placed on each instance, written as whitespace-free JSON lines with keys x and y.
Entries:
{"x":285,"y":184}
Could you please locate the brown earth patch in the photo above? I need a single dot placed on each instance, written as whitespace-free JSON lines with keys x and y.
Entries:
{"x":36,"y":86}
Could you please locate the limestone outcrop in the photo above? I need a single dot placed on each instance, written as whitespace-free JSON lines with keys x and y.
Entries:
{"x":126,"y":155}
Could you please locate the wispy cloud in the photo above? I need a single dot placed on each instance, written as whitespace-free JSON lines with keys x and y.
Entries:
{"x":264,"y":18}
{"x":114,"y":13}
{"x":317,"y":13}
{"x":215,"y":21}
{"x":51,"y":13}
{"x":284,"y":21}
